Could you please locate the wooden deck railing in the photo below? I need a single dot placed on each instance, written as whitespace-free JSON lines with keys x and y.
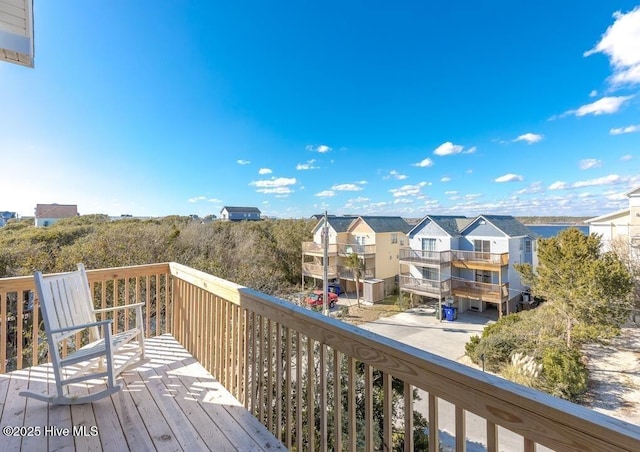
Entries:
{"x":425,"y":257}
{"x":422,"y":285}
{"x":322,"y":384}
{"x":318,"y":248}
{"x":479,"y":257}
{"x":316,"y":270}
{"x":496,"y":293}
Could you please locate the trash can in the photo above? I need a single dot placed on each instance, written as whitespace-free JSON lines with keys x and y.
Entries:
{"x":450,"y":313}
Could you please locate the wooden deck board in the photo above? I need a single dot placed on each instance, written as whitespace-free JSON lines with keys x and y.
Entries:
{"x":170,"y":403}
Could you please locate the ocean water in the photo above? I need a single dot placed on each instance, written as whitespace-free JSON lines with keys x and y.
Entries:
{"x":551,"y":230}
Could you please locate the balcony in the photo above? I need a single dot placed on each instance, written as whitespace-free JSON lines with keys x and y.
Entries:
{"x":426,"y":287}
{"x":493,"y":293}
{"x":347,"y":273}
{"x":236,"y":369}
{"x":477,"y":260}
{"x":317,"y":249}
{"x":344,"y":249}
{"x":424,"y":258}
{"x":317,"y":271}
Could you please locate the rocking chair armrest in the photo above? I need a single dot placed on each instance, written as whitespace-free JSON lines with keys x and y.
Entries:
{"x":82,"y":326}
{"x":117,"y":308}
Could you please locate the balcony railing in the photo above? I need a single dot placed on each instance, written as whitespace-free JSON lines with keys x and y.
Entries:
{"x":426,"y":286}
{"x":317,"y":270}
{"x":318,"y":248}
{"x":344,"y":249}
{"x":311,"y":379}
{"x":425,"y":257}
{"x":496,"y":293}
{"x":477,"y":257}
{"x":347,"y":273}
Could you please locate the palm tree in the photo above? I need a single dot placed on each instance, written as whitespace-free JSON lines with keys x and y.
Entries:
{"x":357,"y":267}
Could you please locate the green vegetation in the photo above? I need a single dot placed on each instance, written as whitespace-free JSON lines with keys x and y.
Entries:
{"x":264,"y":255}
{"x":588,"y":296}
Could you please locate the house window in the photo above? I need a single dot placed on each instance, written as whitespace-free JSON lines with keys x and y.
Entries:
{"x":527,"y":246}
{"x":394,"y":238}
{"x":428,"y":244}
{"x":482,"y":249}
{"x":483,"y":276}
{"x":429,"y":274}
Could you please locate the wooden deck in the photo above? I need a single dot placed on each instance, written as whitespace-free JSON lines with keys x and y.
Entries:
{"x":170,"y":403}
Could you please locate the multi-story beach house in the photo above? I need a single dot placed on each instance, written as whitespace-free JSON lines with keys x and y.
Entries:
{"x":375,"y":239}
{"x":468,"y":262}
{"x":621,"y":225}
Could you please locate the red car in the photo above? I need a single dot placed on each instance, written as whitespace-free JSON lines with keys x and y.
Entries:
{"x":314,"y":300}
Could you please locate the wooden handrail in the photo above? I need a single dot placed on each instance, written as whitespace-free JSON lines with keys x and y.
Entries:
{"x":262,"y":349}
{"x":538,"y":417}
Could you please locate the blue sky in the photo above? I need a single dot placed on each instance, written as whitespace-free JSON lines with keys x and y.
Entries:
{"x":295,"y":107}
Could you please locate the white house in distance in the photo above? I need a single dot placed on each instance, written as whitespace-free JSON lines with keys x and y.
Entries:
{"x":48,"y":214}
{"x":468,"y":261}
{"x":622,"y":225}
{"x":230,"y":213}
{"x":16,"y":32}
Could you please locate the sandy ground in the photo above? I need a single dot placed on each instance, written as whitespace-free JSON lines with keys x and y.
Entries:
{"x":614,"y":371}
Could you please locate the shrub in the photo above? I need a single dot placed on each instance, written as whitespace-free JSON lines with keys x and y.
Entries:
{"x":564,"y":373}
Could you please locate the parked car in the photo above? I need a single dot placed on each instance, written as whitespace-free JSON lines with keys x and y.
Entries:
{"x":315,"y":299}
{"x":335,"y":288}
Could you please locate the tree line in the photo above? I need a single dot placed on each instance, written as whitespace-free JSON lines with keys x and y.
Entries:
{"x":264,"y":255}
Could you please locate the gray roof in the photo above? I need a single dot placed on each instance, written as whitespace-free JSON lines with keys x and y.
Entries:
{"x":509,"y":225}
{"x":387,"y":224}
{"x":241,"y":209}
{"x":339,"y":224}
{"x":450,"y":224}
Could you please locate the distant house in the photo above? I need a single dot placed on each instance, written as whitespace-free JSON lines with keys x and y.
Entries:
{"x":621,"y":225}
{"x":230,"y":213}
{"x":48,"y":214}
{"x":6,"y":216}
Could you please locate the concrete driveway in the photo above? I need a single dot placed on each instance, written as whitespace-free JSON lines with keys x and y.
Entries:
{"x":420,"y":328}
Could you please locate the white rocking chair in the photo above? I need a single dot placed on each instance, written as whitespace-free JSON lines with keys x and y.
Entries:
{"x":67,"y":308}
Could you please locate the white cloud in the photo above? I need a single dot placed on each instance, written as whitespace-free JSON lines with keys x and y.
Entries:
{"x":243,"y":162}
{"x":445,"y":179}
{"x":306,"y":166}
{"x":321,"y":148}
{"x":359,"y":199}
{"x":606,"y":180}
{"x":424,"y":163}
{"x":626,"y":158}
{"x":593,"y":93}
{"x":275,"y":190}
{"x":273,"y":182}
{"x":535,"y":187}
{"x":403,"y":201}
{"x":589,"y":163}
{"x":559,"y":185}
{"x":197,"y":198}
{"x":407,"y":190}
{"x":604,"y":106}
{"x":620,"y":43}
{"x":346,"y":187}
{"x":529,"y":138}
{"x":628,"y":129}
{"x":471,"y":150}
{"x":325,"y":194}
{"x":510,"y":177}
{"x":214,"y":200}
{"x":448,"y":148}
{"x":264,"y":171}
{"x":395,"y":175}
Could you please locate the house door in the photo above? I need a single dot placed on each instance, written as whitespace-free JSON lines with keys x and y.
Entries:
{"x":428,"y":248}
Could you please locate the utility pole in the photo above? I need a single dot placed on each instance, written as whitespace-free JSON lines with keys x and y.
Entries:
{"x":325,"y":269}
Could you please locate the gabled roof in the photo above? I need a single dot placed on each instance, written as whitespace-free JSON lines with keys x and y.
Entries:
{"x":507,"y":224}
{"x":231,"y":209}
{"x":386,"y":224}
{"x":56,"y":210}
{"x":339,"y":224}
{"x":609,"y":216}
{"x":633,"y":191}
{"x":451,"y":224}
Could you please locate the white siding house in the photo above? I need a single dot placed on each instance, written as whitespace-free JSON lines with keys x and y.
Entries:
{"x":622,"y":225}
{"x":16,"y":32}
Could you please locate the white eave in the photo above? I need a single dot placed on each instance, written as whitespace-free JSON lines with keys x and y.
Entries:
{"x":16,"y":32}
{"x":609,"y":216}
